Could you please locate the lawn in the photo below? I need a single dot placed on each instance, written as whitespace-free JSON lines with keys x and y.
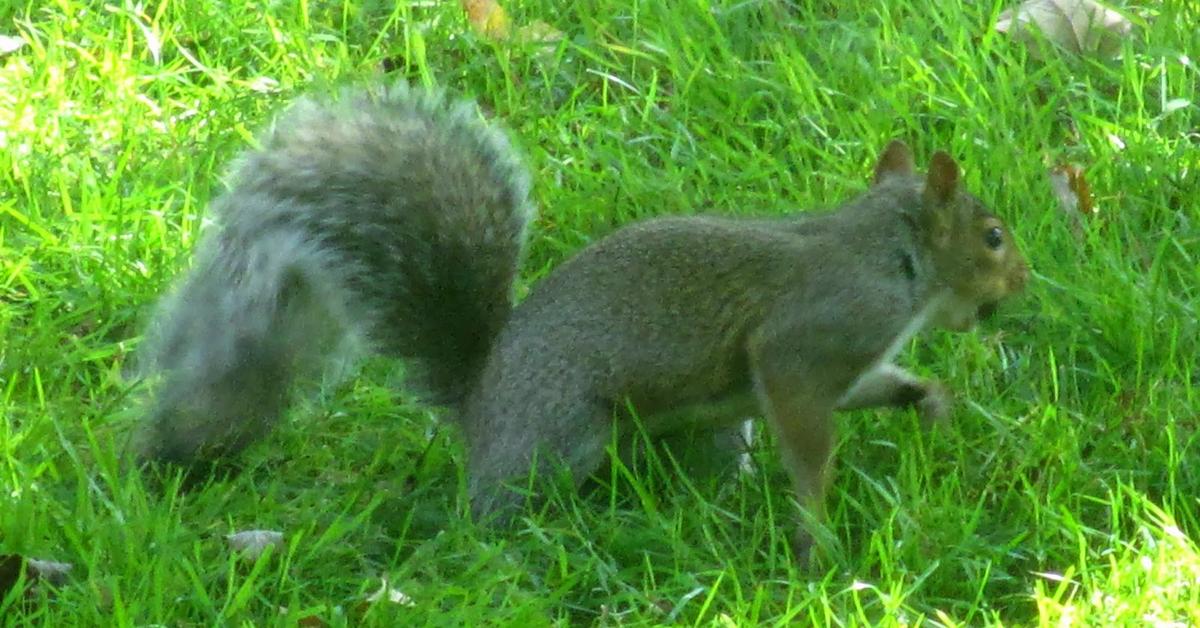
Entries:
{"x":1063,"y":491}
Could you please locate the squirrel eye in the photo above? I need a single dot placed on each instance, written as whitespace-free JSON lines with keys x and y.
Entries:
{"x":994,"y":238}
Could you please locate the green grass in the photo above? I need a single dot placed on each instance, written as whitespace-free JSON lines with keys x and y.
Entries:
{"x":1064,"y":491}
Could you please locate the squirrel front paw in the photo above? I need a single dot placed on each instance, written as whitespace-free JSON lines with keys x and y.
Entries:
{"x":935,"y":404}
{"x":802,"y":548}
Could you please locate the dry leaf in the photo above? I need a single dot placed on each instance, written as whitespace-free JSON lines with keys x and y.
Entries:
{"x":1071,"y":187}
{"x":1073,"y":193}
{"x":488,"y":18}
{"x":1080,"y":26}
{"x":538,"y":32}
{"x":10,"y":44}
{"x":252,"y":543}
{"x":311,"y":621}
{"x":395,"y":596}
{"x":263,"y":85}
{"x":307,"y":620}
{"x":1175,"y":104}
{"x":725,"y":620}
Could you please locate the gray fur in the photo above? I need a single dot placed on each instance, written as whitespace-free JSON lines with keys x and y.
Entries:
{"x":395,"y":217}
{"x":398,"y":218}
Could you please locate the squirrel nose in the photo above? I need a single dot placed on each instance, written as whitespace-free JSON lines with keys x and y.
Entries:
{"x":1020,"y":277}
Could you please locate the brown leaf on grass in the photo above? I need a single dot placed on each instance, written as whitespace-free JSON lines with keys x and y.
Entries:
{"x":310,"y":621}
{"x":1074,"y":195}
{"x":1072,"y":189}
{"x":1080,"y":26}
{"x":661,"y":607}
{"x":252,"y":543}
{"x":488,"y":19}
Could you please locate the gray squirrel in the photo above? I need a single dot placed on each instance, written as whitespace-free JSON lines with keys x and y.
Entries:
{"x":395,"y":215}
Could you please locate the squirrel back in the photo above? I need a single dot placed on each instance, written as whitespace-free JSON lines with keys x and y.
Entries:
{"x":394,"y":215}
{"x":701,"y":321}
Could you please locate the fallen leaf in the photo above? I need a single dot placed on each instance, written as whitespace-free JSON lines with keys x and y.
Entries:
{"x":1076,"y":186}
{"x":263,"y":85}
{"x":1073,"y":193}
{"x":395,"y":596}
{"x":1176,"y":104}
{"x":153,"y":41}
{"x":102,"y":595}
{"x":488,"y":19}
{"x":10,"y":44}
{"x":311,"y":621}
{"x":306,"y":620}
{"x":538,"y":32}
{"x":1080,"y":26}
{"x":252,"y":543}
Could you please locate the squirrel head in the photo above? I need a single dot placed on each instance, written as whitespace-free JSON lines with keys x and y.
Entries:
{"x":973,"y":254}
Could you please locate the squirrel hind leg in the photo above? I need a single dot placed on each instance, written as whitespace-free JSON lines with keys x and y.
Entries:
{"x":501,"y":463}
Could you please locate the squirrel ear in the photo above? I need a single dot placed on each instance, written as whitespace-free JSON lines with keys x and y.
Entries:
{"x":896,"y":159}
{"x":942,"y":181}
{"x":941,"y":184}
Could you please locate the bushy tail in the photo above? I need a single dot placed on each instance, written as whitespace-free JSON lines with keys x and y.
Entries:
{"x":394,"y":216}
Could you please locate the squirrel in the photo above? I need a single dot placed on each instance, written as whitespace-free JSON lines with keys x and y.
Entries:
{"x":396,"y":216}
